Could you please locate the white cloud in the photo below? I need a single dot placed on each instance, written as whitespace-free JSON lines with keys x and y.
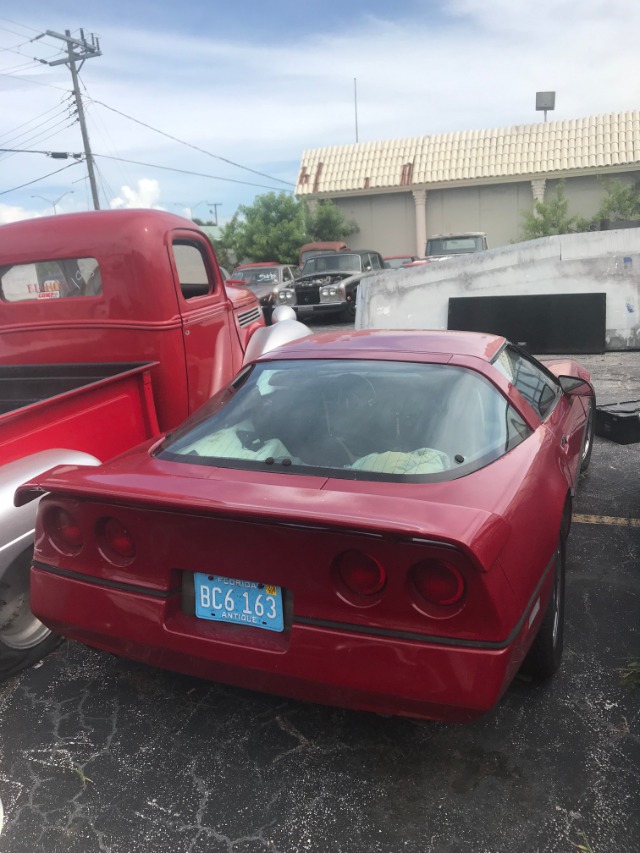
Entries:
{"x":10,"y":213}
{"x":470,"y":64}
{"x":146,"y":195}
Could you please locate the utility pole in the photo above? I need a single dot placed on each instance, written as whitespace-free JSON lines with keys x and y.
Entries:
{"x":77,"y":51}
{"x":215,"y":205}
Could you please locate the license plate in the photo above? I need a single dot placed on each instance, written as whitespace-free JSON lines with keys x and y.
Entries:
{"x":222,"y":599}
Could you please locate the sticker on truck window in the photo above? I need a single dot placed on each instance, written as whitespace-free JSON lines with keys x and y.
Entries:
{"x":58,"y":279}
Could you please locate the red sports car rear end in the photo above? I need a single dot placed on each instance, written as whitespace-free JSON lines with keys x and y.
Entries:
{"x":335,"y":549}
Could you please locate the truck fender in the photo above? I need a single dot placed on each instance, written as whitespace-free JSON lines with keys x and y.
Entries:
{"x":284,"y":329}
{"x":17,"y":524}
{"x":24,"y":640}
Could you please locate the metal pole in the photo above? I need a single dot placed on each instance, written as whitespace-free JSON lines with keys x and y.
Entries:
{"x":215,"y":205}
{"x":77,"y":51}
{"x":83,"y":126}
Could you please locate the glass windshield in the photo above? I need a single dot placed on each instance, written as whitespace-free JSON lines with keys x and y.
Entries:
{"x":256,"y":275}
{"x":454,"y":245}
{"x":352,"y":419}
{"x":310,"y":253}
{"x":339,"y":262}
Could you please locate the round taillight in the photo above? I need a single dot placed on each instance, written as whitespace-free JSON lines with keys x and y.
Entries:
{"x":360,"y":573}
{"x":64,"y":531}
{"x":117,"y":540}
{"x":438,"y":582}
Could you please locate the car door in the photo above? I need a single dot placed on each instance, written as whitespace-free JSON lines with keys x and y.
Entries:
{"x":204,"y":311}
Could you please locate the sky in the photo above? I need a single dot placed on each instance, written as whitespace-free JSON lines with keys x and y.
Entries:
{"x":198,"y":107}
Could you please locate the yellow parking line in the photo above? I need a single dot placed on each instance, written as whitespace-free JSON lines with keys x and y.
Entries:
{"x":607,"y":519}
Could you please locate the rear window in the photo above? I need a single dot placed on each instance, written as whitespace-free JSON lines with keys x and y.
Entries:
{"x":454,"y":245}
{"x":366,"y":420}
{"x":256,"y":275}
{"x":338,"y":262}
{"x":45,"y":280}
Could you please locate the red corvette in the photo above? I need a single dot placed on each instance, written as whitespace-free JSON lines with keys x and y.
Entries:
{"x":371,"y":519}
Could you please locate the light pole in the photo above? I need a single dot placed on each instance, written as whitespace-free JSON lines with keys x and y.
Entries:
{"x":213,"y":208}
{"x":191,"y":207}
{"x":53,"y":203}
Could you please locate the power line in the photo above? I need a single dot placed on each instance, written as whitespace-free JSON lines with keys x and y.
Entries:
{"x":28,"y":184}
{"x":187,"y":172}
{"x":35,"y":118}
{"x":98,"y":125}
{"x":24,"y":79}
{"x":105,"y":184}
{"x":55,"y":155}
{"x":37,"y":37}
{"x":17,"y":24}
{"x":42,"y":136}
{"x":195,"y":147}
{"x":42,"y":127}
{"x":22,"y":67}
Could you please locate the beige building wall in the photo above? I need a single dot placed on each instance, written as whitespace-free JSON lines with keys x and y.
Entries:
{"x":387,"y":221}
{"x":496,"y":210}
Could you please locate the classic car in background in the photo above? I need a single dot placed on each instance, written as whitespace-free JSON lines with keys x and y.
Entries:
{"x":440,"y":247}
{"x":395,"y":262}
{"x":376,"y":520}
{"x":329,"y":283}
{"x":310,"y":250}
{"x":265,"y":280}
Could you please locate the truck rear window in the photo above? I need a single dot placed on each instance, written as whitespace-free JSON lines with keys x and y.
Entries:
{"x":41,"y":280}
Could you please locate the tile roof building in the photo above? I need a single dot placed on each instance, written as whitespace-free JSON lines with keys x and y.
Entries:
{"x":477,"y":180}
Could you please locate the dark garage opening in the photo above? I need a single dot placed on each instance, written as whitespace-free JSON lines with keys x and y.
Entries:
{"x":549,"y":323}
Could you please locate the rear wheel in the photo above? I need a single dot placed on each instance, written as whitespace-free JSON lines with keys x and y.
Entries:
{"x":545,"y":654}
{"x":24,"y":640}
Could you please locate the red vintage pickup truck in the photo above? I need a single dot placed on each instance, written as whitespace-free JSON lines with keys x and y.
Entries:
{"x":115,"y":325}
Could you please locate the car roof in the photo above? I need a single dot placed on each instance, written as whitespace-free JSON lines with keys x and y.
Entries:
{"x":458,"y":234}
{"x":334,"y":255}
{"x":261,"y":264}
{"x":381,"y":343}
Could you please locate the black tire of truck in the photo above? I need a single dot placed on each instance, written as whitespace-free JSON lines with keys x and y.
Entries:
{"x":23,"y":639}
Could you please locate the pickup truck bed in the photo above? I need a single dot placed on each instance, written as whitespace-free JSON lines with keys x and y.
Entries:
{"x":49,"y":415}
{"x":74,"y":405}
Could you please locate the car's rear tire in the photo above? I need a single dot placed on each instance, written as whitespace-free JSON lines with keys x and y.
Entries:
{"x":545,"y":654}
{"x":589,"y":433}
{"x":24,"y":640}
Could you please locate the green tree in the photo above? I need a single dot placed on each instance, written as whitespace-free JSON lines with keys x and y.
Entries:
{"x":622,"y":201}
{"x":327,"y":222}
{"x":275,"y":226}
{"x":552,"y":217}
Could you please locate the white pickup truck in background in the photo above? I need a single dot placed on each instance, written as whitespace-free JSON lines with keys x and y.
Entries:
{"x":440,"y":247}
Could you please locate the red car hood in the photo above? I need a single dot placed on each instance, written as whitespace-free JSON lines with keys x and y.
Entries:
{"x":428,"y":511}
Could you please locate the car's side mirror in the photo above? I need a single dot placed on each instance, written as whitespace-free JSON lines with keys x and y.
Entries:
{"x":575,"y":387}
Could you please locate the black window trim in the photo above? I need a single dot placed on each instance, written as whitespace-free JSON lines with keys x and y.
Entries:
{"x":180,"y":238}
{"x":543,"y":369}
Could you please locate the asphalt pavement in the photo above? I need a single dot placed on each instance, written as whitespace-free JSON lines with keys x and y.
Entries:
{"x":100,"y":754}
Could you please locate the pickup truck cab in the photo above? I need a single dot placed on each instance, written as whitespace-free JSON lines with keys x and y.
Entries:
{"x":116,"y":325}
{"x":329,"y":283}
{"x":440,"y":247}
